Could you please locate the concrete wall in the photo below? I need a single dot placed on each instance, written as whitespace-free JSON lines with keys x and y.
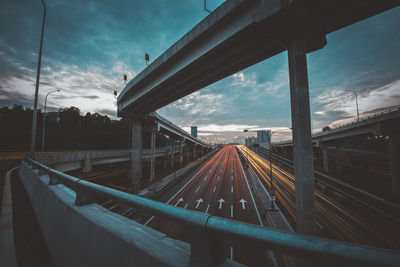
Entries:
{"x":91,"y":235}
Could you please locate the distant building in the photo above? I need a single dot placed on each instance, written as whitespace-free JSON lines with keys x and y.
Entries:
{"x":261,"y":139}
{"x":193,"y":131}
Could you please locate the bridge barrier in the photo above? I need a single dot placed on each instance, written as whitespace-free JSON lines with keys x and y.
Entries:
{"x":207,"y":231}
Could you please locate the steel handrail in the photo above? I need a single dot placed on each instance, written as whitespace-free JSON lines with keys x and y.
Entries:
{"x":305,"y":246}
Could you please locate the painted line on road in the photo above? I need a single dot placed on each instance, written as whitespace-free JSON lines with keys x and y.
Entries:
{"x":194,"y":176}
{"x":231,"y":253}
{"x":186,"y":205}
{"x":231,"y":211}
{"x":218,"y":178}
{"x":251,"y":194}
{"x":208,"y":207}
{"x":232,"y":189}
{"x":232,"y":178}
{"x":197,"y":189}
{"x":215,"y":187}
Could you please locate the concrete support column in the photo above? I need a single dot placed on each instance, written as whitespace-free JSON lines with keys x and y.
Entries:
{"x":87,"y":166}
{"x":136,"y":155}
{"x":152,"y":154}
{"x":394,"y":154}
{"x":194,"y":152}
{"x":180,"y":152}
{"x":187,"y":154}
{"x":172,"y":155}
{"x":338,"y":160}
{"x":325,"y":158}
{"x":165,"y":162}
{"x":302,"y":146}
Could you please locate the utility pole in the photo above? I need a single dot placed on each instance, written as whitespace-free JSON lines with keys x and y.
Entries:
{"x":34,"y":117}
{"x":355,"y":93}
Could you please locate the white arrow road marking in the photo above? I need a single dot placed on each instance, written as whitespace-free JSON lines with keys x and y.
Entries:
{"x":242,"y":201}
{"x":208,"y":207}
{"x":179,"y":201}
{"x":198,"y":203}
{"x":220,"y":203}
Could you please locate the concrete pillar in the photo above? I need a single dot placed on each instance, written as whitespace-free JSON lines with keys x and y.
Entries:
{"x":180,"y":152}
{"x":302,"y":145}
{"x":152,"y":154}
{"x":87,"y":166}
{"x":136,"y":155}
{"x":172,"y":155}
{"x":394,"y":154}
{"x":187,"y":153}
{"x":165,"y":163}
{"x":194,"y":152}
{"x":325,"y":158}
{"x":338,"y":160}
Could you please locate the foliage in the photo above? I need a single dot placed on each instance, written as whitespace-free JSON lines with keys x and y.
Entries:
{"x":326,"y":128}
{"x":71,"y":131}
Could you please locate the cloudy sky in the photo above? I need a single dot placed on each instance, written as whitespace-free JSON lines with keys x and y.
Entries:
{"x":89,"y":45}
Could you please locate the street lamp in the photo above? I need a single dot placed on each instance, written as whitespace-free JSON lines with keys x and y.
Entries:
{"x":355,"y":93}
{"x":34,"y":116}
{"x":44,"y":116}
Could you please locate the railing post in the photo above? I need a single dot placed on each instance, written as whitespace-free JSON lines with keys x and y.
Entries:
{"x":53,"y":180}
{"x":83,"y":196}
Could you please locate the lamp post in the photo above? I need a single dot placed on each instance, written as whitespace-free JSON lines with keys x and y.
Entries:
{"x":355,"y":93}
{"x":44,"y":117}
{"x":34,"y":116}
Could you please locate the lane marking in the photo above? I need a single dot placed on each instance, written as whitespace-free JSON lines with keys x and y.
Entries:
{"x":215,"y":187}
{"x":251,"y":194}
{"x":232,"y":189}
{"x":243,"y":202}
{"x":194,"y":176}
{"x":231,"y":211}
{"x":205,"y":178}
{"x":218,"y":178}
{"x":232,"y":178}
{"x":231,"y":253}
{"x":186,"y":205}
{"x":197,"y":189}
{"x":179,"y":201}
{"x":198,"y":202}
{"x":208,"y":207}
{"x":220,"y":203}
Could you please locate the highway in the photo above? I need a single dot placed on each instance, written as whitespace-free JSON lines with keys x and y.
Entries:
{"x":218,"y":187}
{"x":336,"y":217}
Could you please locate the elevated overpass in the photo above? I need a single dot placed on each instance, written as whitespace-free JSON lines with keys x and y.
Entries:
{"x":383,"y":125}
{"x":238,"y":34}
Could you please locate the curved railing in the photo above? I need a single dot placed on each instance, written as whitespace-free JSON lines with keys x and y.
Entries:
{"x":209,"y":231}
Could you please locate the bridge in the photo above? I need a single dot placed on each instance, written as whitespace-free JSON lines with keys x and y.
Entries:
{"x":238,"y":34}
{"x":345,"y":138}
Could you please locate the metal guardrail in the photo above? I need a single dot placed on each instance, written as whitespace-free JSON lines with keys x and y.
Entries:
{"x":209,"y":231}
